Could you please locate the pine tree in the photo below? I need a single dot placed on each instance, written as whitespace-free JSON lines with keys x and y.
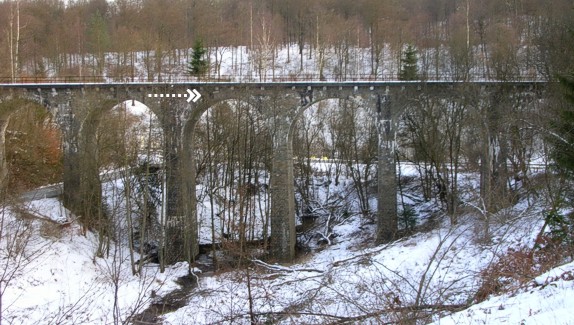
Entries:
{"x":563,"y":129}
{"x":409,"y":67}
{"x":198,"y":65}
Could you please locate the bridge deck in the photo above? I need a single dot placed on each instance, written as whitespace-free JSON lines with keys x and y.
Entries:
{"x":210,"y":84}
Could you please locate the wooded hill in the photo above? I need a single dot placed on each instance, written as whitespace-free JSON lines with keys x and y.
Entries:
{"x":50,"y":38}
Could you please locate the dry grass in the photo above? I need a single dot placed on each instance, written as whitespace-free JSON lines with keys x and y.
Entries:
{"x":517,"y":267}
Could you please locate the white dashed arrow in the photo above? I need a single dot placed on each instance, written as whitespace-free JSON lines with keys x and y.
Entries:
{"x":194,"y":95}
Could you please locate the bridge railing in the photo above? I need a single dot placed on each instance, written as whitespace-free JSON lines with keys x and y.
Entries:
{"x":189,"y":79}
{"x":303,"y":77}
{"x":58,"y":79}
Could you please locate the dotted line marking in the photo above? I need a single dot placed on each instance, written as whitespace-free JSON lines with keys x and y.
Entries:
{"x":167,"y":95}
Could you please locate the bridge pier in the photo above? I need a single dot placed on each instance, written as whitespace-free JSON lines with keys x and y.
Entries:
{"x":280,"y":120}
{"x":3,"y":162}
{"x":181,"y":239}
{"x":387,"y":223}
{"x":283,"y":234}
{"x":174,"y":240}
{"x":82,"y":187}
{"x":189,"y":180}
{"x":72,"y":197}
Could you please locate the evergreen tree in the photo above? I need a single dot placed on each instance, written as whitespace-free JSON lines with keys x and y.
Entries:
{"x":198,"y":64}
{"x":99,"y":40}
{"x":563,"y":129}
{"x":409,"y":67}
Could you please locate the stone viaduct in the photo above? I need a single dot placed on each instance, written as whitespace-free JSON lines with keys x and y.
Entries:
{"x":78,"y":107}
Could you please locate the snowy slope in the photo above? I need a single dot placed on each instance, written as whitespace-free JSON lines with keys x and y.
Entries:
{"x":352,"y":280}
{"x":548,"y":300}
{"x":284,"y":63}
{"x":60,"y":281}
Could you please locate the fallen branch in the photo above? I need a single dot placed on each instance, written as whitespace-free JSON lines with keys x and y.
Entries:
{"x":454,"y":307}
{"x":276,"y":267}
{"x":354,"y":319}
{"x":364,"y":255}
{"x":339,"y":319}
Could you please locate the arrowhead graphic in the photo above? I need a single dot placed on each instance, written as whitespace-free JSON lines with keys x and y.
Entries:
{"x":193,"y":95}
{"x":197,"y":94}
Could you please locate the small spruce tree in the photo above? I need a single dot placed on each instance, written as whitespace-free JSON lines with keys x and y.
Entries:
{"x":198,"y":64}
{"x":409,"y":67}
{"x":563,"y":129}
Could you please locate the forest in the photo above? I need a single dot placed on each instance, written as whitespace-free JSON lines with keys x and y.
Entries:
{"x":145,"y":40}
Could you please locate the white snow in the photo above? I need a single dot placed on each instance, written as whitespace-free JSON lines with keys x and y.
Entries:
{"x":49,"y":208}
{"x":549,"y":300}
{"x":61,"y":281}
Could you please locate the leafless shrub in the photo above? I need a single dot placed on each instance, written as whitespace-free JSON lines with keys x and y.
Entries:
{"x":515,"y":268}
{"x":19,"y":248}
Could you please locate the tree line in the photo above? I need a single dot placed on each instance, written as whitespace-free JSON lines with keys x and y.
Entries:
{"x":497,"y":39}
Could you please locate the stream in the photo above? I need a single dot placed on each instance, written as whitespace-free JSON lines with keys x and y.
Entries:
{"x":176,"y":299}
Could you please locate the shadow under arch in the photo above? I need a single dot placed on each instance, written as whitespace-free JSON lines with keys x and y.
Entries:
{"x":15,"y":105}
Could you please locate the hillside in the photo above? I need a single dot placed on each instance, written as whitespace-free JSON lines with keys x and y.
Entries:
{"x":97,"y":40}
{"x":423,"y":277}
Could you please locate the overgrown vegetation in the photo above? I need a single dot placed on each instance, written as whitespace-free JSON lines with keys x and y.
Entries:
{"x":33,"y":148}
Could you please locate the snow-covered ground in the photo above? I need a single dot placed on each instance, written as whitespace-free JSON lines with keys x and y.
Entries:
{"x":351,"y":278}
{"x":55,"y":278}
{"x":549,"y":299}
{"x":59,"y":280}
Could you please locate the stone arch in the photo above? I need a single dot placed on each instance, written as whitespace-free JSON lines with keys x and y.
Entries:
{"x":357,"y":112}
{"x":86,"y":199}
{"x":203,"y":106}
{"x":368,"y":103}
{"x":385,"y":114}
{"x":188,"y":159}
